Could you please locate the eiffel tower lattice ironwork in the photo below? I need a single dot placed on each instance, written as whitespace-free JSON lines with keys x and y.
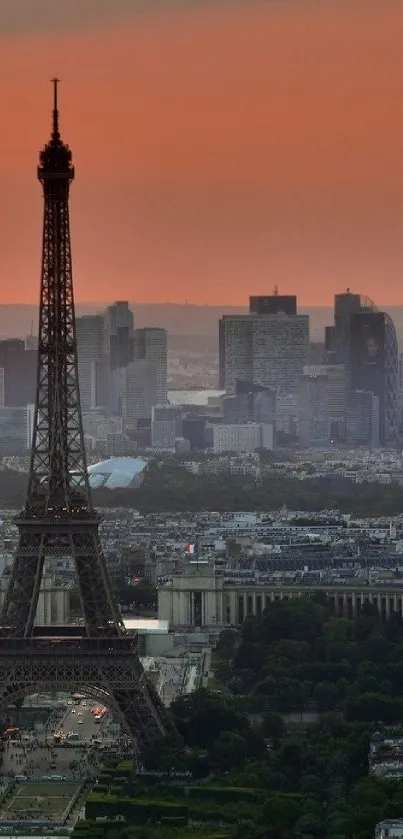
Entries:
{"x":58,"y":519}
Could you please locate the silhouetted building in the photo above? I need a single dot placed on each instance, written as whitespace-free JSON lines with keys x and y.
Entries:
{"x":313,"y":410}
{"x":194,"y":430}
{"x":239,"y":438}
{"x":150,"y":345}
{"x":317,"y":353}
{"x":345,"y":305}
{"x":374,"y":367}
{"x":362,"y":419}
{"x":250,"y":403}
{"x":139,"y":390}
{"x":336,"y":397}
{"x":273,"y":304}
{"x":221,"y":354}
{"x":166,"y":426}
{"x":14,"y":431}
{"x":92,"y":362}
{"x":119,"y":325}
{"x":268,"y":349}
{"x":19,"y":367}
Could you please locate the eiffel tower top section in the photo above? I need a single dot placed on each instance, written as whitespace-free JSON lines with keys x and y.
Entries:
{"x":55,"y":158}
{"x":58,"y":482}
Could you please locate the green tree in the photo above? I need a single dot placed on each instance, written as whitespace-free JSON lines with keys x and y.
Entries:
{"x":228,"y":752}
{"x":273,"y":727}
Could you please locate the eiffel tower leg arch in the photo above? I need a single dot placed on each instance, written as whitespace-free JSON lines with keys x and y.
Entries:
{"x":104,"y":669}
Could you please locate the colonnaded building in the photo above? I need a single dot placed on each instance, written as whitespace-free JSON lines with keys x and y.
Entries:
{"x":204,"y":596}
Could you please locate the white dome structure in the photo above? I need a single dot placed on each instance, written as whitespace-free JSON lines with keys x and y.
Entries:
{"x":117,"y":473}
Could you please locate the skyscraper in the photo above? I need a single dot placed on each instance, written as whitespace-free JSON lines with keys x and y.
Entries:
{"x":364,"y":340}
{"x":335,"y":397}
{"x":268,"y":348}
{"x":362,"y":419}
{"x":313,"y":410}
{"x":345,"y":305}
{"x":273,"y":304}
{"x":90,"y":331}
{"x":150,"y":345}
{"x":19,"y":367}
{"x":374,"y":367}
{"x":119,"y":325}
{"x":139,"y":390}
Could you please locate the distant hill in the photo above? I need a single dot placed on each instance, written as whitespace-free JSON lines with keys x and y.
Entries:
{"x":185,"y":320}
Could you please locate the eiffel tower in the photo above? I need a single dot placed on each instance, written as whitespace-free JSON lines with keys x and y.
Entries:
{"x":97,"y":657}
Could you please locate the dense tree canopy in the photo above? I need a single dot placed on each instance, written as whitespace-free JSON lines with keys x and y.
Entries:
{"x":298,"y":656}
{"x":253,"y":775}
{"x":168,"y":487}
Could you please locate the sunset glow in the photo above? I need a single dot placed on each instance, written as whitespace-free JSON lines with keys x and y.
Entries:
{"x":218,"y":150}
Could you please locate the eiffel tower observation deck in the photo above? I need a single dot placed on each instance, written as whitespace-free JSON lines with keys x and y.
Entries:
{"x":98,"y":656}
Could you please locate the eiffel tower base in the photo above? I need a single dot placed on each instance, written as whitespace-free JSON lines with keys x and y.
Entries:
{"x":107,"y":669}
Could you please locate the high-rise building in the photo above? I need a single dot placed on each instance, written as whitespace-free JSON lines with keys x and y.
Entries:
{"x":313,"y":410}
{"x":150,"y":345}
{"x":31,"y":342}
{"x":2,"y":387}
{"x":317,"y":352}
{"x":14,"y":431}
{"x":273,"y":304}
{"x":119,"y":325}
{"x":336,"y":397}
{"x":374,"y":364}
{"x":139,"y":391}
{"x":268,"y":349}
{"x":221,"y":354}
{"x":90,"y":331}
{"x":19,"y":367}
{"x":166,"y":426}
{"x":362,"y":419}
{"x":364,"y":339}
{"x":242,"y":438}
{"x":345,"y":305}
{"x":250,"y":403}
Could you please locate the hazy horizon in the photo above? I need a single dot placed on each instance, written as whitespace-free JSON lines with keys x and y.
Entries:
{"x":180,"y":320}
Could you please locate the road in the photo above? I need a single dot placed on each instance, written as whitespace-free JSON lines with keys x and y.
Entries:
{"x":37,"y":755}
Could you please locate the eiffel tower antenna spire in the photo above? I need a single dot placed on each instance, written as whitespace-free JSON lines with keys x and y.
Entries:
{"x":55,"y":115}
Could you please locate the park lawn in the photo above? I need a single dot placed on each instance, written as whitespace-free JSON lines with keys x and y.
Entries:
{"x":41,"y":800}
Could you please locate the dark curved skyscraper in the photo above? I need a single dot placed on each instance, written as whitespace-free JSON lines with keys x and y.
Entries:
{"x":374,"y":367}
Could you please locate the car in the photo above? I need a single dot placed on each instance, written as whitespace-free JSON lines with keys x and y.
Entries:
{"x":80,"y":722}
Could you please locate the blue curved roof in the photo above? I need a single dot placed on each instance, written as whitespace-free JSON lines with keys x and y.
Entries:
{"x":116,"y":472}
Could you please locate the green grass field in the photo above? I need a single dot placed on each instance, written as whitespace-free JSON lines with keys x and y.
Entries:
{"x":40,"y":800}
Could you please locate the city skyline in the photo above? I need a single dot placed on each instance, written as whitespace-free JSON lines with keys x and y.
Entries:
{"x":197,"y":180}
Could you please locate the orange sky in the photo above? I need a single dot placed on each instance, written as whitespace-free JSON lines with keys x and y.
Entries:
{"x":220,"y":149}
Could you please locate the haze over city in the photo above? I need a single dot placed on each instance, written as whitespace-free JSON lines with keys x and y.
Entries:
{"x":219,"y":149}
